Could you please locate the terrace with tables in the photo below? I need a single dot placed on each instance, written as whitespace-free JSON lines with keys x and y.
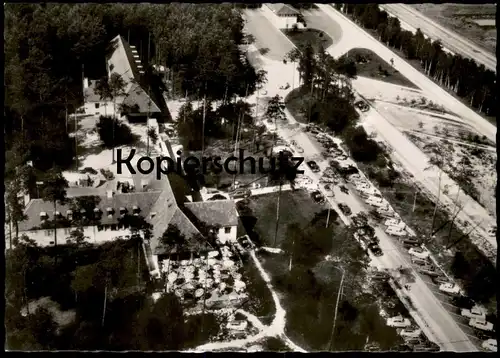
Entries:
{"x":213,"y":279}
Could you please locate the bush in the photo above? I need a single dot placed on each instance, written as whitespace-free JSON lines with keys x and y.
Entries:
{"x":112,"y":137}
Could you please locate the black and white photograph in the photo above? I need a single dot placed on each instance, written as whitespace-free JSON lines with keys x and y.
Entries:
{"x":250,"y":177}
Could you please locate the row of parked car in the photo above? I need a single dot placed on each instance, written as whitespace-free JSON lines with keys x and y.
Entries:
{"x":365,"y":235}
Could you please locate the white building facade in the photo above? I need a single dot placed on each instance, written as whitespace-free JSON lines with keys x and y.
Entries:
{"x":281,"y":15}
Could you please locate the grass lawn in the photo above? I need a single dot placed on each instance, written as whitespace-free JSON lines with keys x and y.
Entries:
{"x":295,"y":207}
{"x":370,"y":65}
{"x":301,"y":37}
{"x":260,"y":302}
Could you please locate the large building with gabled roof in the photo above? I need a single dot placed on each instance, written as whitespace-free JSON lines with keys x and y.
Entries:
{"x":157,"y":203}
{"x":124,"y":60}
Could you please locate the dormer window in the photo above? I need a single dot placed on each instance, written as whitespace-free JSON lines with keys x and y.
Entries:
{"x":43,"y":216}
{"x":153,"y":214}
{"x":123,"y":211}
{"x":57,"y":214}
{"x":136,"y":210}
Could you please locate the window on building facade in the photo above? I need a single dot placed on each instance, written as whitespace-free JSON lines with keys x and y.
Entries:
{"x":227,"y":230}
{"x":97,"y":105}
{"x":49,"y":232}
{"x":100,"y":228}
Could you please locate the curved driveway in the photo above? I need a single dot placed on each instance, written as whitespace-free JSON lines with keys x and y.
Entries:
{"x":266,"y":35}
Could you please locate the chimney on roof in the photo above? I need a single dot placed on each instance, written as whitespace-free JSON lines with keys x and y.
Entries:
{"x":110,"y":194}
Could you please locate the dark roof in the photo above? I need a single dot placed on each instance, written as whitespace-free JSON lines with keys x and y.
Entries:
{"x":137,"y":96}
{"x":218,"y":212}
{"x":143,"y":200}
{"x":282,"y":9}
{"x":168,"y":213}
{"x":123,"y":62}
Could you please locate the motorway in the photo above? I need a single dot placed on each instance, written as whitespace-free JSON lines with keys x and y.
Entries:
{"x":438,"y":323}
{"x":450,"y":39}
{"x":358,"y":38}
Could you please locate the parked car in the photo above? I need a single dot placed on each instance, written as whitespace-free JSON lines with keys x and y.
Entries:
{"x":475,"y":312}
{"x":313,"y":165}
{"x":344,"y":189}
{"x":386,"y":211}
{"x":380,"y":275}
{"x":450,"y":288}
{"x":426,"y":347}
{"x":428,"y":270}
{"x":349,"y":170}
{"x":240,"y":193}
{"x":398,"y":322}
{"x":490,"y":345}
{"x":362,"y":105}
{"x":245,"y":242}
{"x":409,"y":242}
{"x":395,"y":222}
{"x":375,"y":249}
{"x":360,"y":220}
{"x":345,"y":209}
{"x":481,"y":324}
{"x":237,"y":325}
{"x":395,"y":231}
{"x":420,"y":261}
{"x":419,"y":252}
{"x":438,"y":280}
{"x":354,"y":177}
{"x":318,"y":197}
{"x":410,"y":332}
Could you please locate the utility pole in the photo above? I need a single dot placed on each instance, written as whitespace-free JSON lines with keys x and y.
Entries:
{"x":204,"y":291}
{"x":203,"y":126}
{"x":328,"y":217}
{"x":149,"y":45}
{"x":437,"y":202}
{"x":332,"y":337}
{"x":453,"y":220}
{"x":414,"y":202}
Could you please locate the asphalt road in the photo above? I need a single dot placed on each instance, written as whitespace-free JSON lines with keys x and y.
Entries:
{"x":450,"y":39}
{"x":266,"y":35}
{"x":437,"y":321}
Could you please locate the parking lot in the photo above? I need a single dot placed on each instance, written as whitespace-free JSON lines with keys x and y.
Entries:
{"x":393,"y":247}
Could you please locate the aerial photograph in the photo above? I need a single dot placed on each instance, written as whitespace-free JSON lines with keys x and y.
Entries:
{"x":250,"y":177}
